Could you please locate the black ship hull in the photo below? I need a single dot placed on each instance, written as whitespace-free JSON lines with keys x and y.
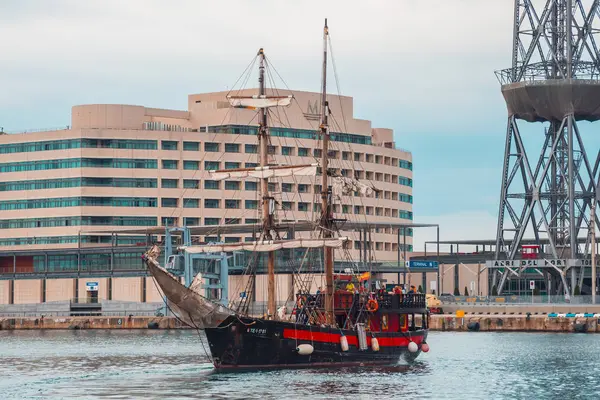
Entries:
{"x":248,"y":343}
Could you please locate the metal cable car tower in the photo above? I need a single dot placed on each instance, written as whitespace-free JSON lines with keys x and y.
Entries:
{"x":554,"y":80}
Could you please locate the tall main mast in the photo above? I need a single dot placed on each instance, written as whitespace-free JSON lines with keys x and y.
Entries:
{"x":267,"y":220}
{"x":325,"y":207}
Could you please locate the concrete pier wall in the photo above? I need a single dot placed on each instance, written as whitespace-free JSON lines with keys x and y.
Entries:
{"x":513,"y":323}
{"x":90,"y":323}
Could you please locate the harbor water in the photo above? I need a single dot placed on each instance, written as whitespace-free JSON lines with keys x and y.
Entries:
{"x":153,"y":364}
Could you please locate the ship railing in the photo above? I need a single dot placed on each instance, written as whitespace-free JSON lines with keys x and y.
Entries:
{"x":386,"y":301}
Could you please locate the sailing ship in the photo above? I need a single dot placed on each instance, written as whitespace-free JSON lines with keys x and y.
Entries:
{"x":340,"y":326}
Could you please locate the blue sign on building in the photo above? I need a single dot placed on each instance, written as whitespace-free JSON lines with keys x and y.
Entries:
{"x":423,"y":264}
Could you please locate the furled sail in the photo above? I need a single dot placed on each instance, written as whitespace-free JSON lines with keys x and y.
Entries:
{"x":190,"y":306}
{"x":343,"y":186}
{"x":266,"y":245}
{"x":254,"y":102}
{"x":265,"y":172}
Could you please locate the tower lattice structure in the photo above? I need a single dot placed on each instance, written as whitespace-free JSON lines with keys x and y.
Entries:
{"x":554,"y":81}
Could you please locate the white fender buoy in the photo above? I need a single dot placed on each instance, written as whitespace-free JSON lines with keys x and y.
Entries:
{"x":413,"y":347}
{"x":374,"y":344}
{"x":424,"y":347}
{"x":305,"y":349}
{"x":344,"y":343}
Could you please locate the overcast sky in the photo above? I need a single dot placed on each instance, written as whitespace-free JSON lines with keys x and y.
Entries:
{"x":423,"y":68}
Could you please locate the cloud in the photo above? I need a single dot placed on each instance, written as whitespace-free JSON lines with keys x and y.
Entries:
{"x":398,"y":58}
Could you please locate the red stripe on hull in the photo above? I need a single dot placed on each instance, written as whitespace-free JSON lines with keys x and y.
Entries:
{"x":324,"y":337}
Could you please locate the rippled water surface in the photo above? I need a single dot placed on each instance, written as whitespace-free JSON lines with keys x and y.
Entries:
{"x":172,"y":364}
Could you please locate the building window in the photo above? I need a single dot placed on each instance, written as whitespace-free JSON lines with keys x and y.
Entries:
{"x":287,"y":187}
{"x":402,"y":180}
{"x":407,"y":198}
{"x":232,"y":239}
{"x":405,"y":164}
{"x":169,"y":221}
{"x":169,"y":164}
{"x":272,"y":187}
{"x":251,"y":204}
{"x":287,"y":151}
{"x":272,"y":149}
{"x":231,"y":165}
{"x":303,"y":188}
{"x":232,"y":148}
{"x":212,"y":221}
{"x":168,"y":202}
{"x":250,"y":185}
{"x":212,"y":203}
{"x":168,"y":145}
{"x":212,"y":185}
{"x":211,"y":147}
{"x":251,"y":165}
{"x":302,"y":206}
{"x":193,"y":165}
{"x":211,"y":165}
{"x":232,"y":221}
{"x":286,"y":205}
{"x":405,"y":214}
{"x":251,"y":220}
{"x":191,"y":203}
{"x":232,"y":204}
{"x":190,"y":221}
{"x":191,"y":184}
{"x":232,"y":185}
{"x":169,"y":183}
{"x":303,"y":152}
{"x":251,"y":148}
{"x":191,"y":146}
{"x":317,"y":153}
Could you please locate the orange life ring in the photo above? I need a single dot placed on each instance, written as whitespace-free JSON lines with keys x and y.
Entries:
{"x":372,"y":305}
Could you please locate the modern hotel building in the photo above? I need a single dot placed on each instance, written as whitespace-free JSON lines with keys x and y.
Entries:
{"x":66,"y":194}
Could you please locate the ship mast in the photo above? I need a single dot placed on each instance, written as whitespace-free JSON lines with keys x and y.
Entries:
{"x":267,"y":220}
{"x":325,"y":206}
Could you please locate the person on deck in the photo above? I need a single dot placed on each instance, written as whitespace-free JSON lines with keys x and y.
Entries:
{"x":350,"y":287}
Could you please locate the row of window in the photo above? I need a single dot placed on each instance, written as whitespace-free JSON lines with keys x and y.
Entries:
{"x":43,"y":240}
{"x":76,"y":221}
{"x":77,"y":182}
{"x":139,"y":144}
{"x":168,"y":183}
{"x":27,"y":204}
{"x":78,"y":163}
{"x":173,"y":202}
{"x":88,"y":262}
{"x":66,"y":144}
{"x":287,"y":133}
{"x":166,"y":164}
{"x":196,"y":221}
{"x":288,"y":151}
